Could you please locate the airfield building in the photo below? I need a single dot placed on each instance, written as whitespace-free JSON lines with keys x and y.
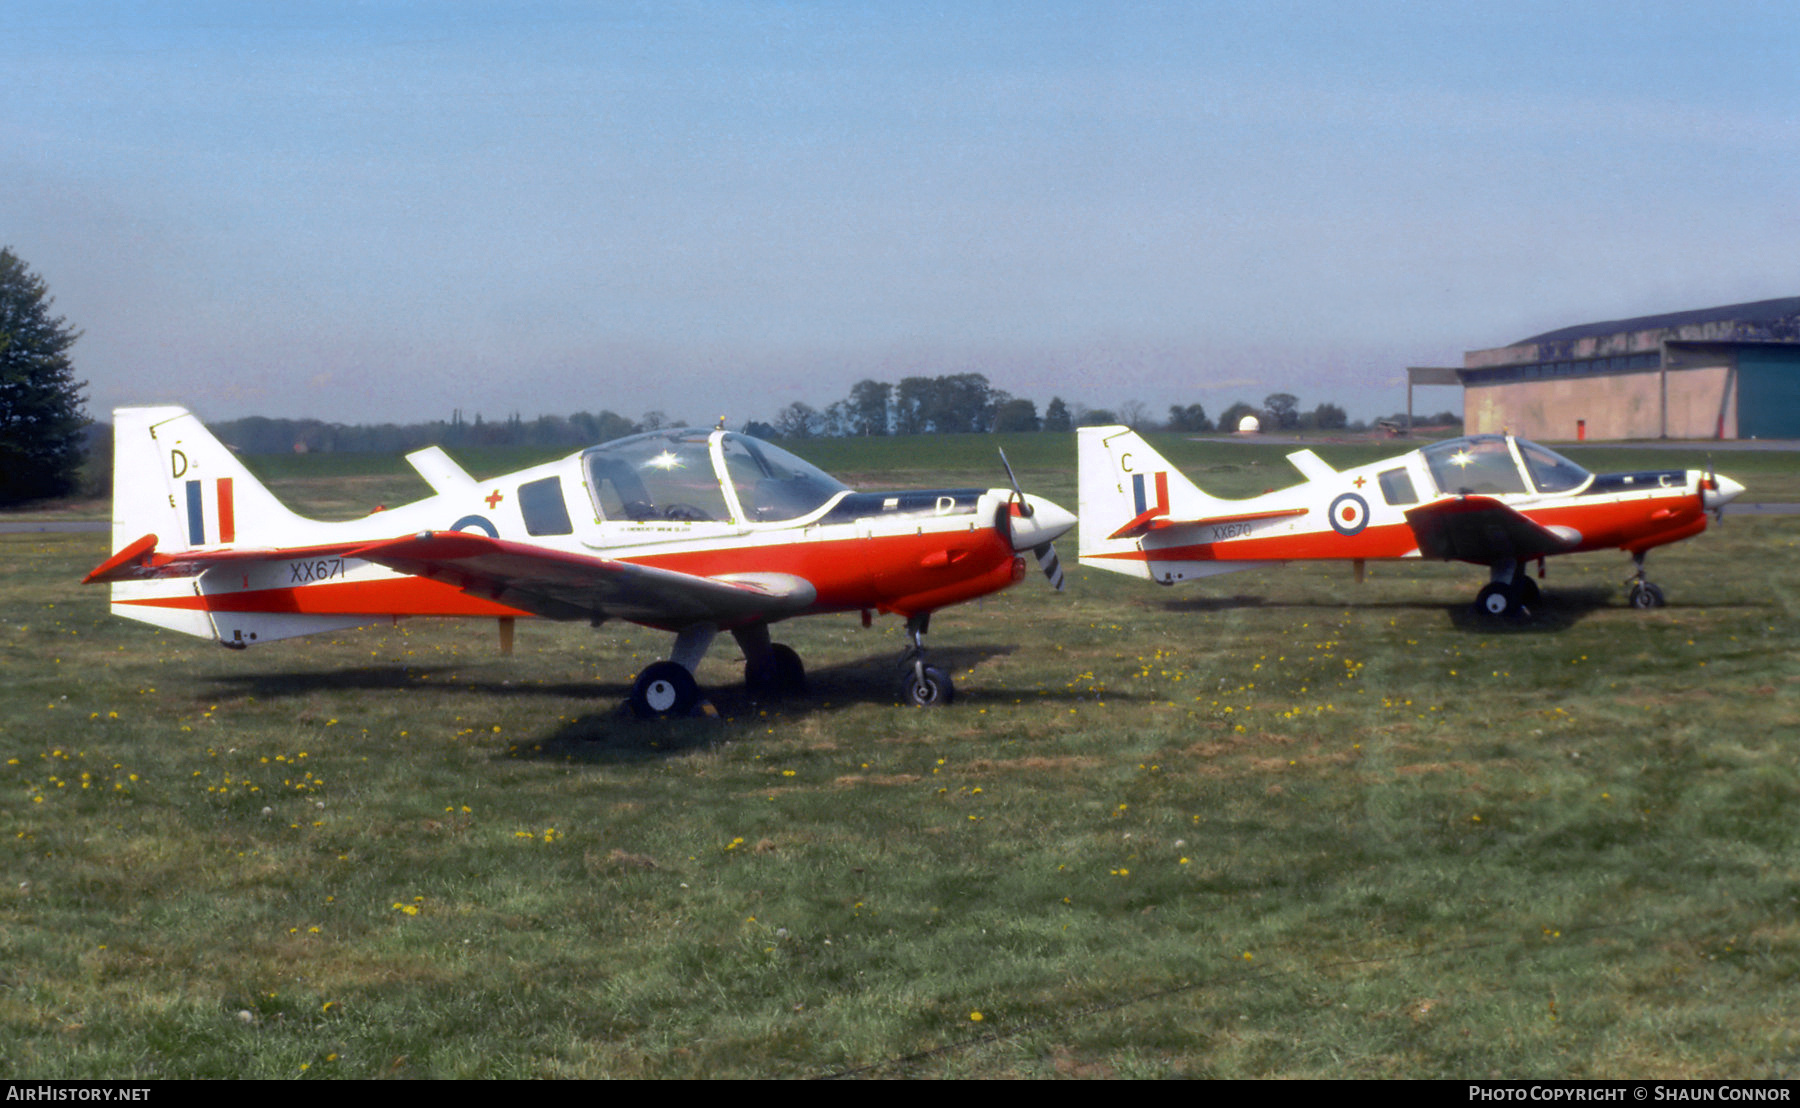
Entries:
{"x":1716,"y":373}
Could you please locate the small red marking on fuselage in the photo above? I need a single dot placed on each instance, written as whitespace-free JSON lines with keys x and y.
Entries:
{"x":493,"y":499}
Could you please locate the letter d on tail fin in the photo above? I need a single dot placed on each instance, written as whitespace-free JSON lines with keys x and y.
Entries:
{"x":174,"y":480}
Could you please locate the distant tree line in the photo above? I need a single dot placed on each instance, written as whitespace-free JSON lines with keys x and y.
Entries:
{"x":263,"y":435}
{"x":963,"y":403}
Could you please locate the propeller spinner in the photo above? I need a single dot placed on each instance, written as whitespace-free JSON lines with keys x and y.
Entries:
{"x":1033,"y":523}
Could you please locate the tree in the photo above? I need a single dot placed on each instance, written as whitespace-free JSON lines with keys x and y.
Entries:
{"x":869,"y":406}
{"x":1283,"y":409}
{"x":1329,"y":417}
{"x":41,"y":416}
{"x":912,"y":403}
{"x":1135,"y":414}
{"x":798,"y":420}
{"x":1016,"y":415}
{"x":1056,"y":416}
{"x":1189,"y":417}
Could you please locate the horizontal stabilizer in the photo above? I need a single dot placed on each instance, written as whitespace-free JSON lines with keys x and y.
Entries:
{"x":440,"y":470}
{"x":1143,"y":525}
{"x":1311,"y":466}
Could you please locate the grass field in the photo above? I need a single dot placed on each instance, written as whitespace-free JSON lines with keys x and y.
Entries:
{"x":1275,"y":824}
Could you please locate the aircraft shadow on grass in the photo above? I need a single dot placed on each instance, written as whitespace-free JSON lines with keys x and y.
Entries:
{"x":610,"y":733}
{"x":1555,"y":610}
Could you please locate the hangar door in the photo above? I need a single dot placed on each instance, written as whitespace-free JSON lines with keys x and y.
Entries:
{"x":1768,"y":392}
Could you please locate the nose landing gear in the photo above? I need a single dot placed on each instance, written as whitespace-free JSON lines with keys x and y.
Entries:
{"x":1643,"y":594}
{"x":921,"y":685}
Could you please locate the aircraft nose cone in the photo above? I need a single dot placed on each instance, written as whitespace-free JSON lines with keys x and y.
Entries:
{"x":1726,"y":491}
{"x":1046,"y":523}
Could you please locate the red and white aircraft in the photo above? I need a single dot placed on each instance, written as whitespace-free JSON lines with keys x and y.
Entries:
{"x":1494,"y":500}
{"x":690,"y":531}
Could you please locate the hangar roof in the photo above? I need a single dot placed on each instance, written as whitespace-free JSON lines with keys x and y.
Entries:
{"x":1760,"y":314}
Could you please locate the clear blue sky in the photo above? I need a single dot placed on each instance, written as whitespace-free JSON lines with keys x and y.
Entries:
{"x":374,"y":211}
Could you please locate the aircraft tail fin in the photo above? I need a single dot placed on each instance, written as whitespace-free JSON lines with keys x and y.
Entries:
{"x":174,"y":480}
{"x":1126,"y":486}
{"x":177,"y":488}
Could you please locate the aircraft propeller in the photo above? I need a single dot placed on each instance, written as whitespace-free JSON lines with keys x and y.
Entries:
{"x":1045,"y":552}
{"x":1716,"y":492}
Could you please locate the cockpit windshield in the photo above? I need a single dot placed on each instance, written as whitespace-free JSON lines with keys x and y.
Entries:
{"x":662,"y":475}
{"x":1550,"y":471}
{"x":670,"y":476}
{"x":772,"y":484}
{"x":1485,"y":464}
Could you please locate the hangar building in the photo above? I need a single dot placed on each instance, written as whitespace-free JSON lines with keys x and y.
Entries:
{"x":1729,"y":373}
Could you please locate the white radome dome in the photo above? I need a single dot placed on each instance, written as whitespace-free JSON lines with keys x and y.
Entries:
{"x":1249,"y":425}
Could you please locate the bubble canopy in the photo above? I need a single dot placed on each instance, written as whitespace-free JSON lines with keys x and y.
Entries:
{"x":1490,"y":464}
{"x":689,"y":475}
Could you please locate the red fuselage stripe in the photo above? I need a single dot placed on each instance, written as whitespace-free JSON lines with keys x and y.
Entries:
{"x":902,"y":573}
{"x":1627,"y":524}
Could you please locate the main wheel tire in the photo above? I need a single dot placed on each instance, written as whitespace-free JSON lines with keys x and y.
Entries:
{"x":929,"y":687}
{"x":780,"y":674}
{"x":1496,"y":600}
{"x":1646,"y":595}
{"x":1526,"y":590}
{"x":664,"y":689}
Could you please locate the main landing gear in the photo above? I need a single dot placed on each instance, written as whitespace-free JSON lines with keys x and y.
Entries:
{"x":668,"y":689}
{"x":1643,"y":593}
{"x":1510,"y":592}
{"x":772,"y":671}
{"x":921,"y":685}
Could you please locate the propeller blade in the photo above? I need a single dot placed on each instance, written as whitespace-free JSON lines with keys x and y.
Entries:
{"x":1051,"y":565}
{"x":1711,"y":484}
{"x":1054,"y":522}
{"x":1024,"y":504}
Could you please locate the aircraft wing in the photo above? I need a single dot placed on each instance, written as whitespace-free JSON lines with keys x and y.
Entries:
{"x":1484,"y":530}
{"x":549,"y":583}
{"x":561,"y":585}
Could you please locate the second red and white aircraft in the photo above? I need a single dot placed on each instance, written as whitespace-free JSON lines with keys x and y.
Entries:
{"x":1493,"y":500}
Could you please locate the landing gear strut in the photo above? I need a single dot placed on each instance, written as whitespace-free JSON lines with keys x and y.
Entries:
{"x":1643,"y":593}
{"x":921,"y":685}
{"x":772,"y":670}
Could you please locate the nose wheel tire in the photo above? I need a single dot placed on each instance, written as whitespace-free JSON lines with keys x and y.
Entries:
{"x":664,"y":689}
{"x":926,"y":687}
{"x":1646,"y":595}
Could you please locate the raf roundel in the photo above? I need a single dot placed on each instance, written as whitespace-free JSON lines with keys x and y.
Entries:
{"x":1349,"y":514}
